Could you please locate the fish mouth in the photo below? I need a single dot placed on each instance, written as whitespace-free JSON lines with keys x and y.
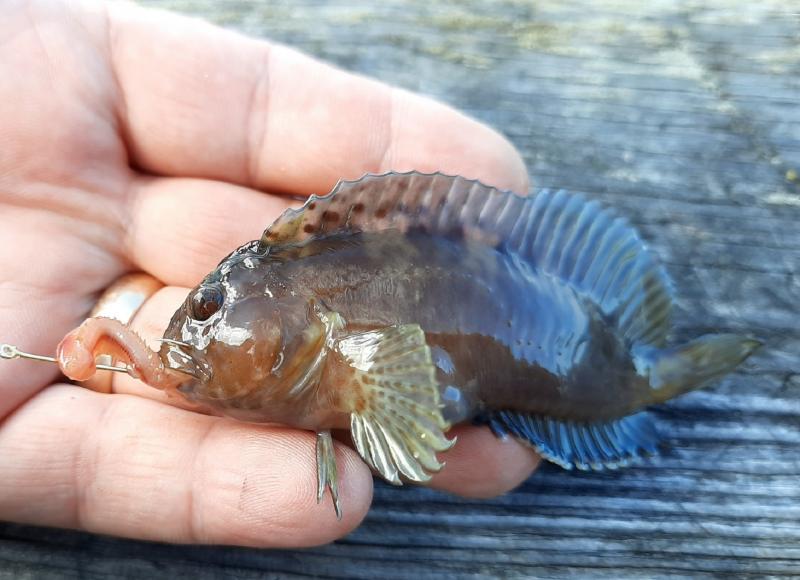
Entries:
{"x":180,"y":356}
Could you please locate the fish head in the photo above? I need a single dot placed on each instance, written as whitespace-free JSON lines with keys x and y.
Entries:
{"x":246,"y":338}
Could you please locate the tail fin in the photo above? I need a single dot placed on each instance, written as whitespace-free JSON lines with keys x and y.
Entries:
{"x":678,"y":370}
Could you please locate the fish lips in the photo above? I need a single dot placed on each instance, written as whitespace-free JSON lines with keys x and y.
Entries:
{"x":178,"y":356}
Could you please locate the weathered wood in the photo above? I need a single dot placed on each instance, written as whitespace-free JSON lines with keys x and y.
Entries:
{"x":684,"y":115}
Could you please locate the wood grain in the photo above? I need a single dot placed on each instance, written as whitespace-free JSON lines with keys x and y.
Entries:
{"x":686,"y":117}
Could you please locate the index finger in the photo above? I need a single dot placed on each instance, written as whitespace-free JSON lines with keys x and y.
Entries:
{"x":203,"y":102}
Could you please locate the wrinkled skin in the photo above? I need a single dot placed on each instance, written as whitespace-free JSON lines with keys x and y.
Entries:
{"x":136,"y":141}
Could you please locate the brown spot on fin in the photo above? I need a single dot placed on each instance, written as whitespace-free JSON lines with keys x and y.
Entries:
{"x":586,"y":446}
{"x":396,"y":420}
{"x":389,"y":201}
{"x":581,"y":242}
{"x":292,"y":223}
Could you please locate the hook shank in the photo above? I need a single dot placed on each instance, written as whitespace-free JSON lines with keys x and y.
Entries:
{"x":9,"y":352}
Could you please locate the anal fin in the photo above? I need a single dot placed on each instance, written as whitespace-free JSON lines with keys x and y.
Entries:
{"x":585,"y":446}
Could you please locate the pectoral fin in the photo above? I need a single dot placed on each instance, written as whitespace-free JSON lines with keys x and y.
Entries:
{"x":396,"y":420}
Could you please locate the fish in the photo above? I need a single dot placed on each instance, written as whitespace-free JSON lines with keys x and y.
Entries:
{"x":402,"y":304}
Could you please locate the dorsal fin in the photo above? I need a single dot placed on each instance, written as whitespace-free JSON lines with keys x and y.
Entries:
{"x":588,"y":246}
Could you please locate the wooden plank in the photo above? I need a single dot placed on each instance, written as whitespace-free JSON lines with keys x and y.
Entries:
{"x":684,"y":115}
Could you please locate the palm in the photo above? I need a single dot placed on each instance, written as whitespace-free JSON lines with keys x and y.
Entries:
{"x":64,"y":173}
{"x":133,"y":141}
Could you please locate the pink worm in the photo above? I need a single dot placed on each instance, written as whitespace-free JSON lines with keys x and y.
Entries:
{"x":76,"y":353}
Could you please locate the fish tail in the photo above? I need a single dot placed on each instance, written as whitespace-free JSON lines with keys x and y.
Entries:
{"x":678,"y":370}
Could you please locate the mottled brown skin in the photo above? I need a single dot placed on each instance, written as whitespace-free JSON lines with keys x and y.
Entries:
{"x":504,"y":337}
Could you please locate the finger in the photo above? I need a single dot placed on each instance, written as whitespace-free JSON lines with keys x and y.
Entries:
{"x":481,"y":465}
{"x":181,"y":228}
{"x":131,"y":467}
{"x":48,"y":278}
{"x":203,"y":102}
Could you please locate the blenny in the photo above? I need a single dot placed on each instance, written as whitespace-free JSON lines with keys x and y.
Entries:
{"x":401,"y":304}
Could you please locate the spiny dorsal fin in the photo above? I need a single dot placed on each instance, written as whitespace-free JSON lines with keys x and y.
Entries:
{"x":588,"y":246}
{"x":436,"y":202}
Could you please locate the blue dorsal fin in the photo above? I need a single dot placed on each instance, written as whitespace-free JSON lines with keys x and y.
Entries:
{"x":602,"y":256}
{"x":599,"y":254}
{"x":585,"y":446}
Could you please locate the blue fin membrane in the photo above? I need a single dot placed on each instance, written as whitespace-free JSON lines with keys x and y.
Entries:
{"x":597,"y":253}
{"x":593,"y":446}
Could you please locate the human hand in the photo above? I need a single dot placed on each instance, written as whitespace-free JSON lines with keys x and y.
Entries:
{"x":137,"y":140}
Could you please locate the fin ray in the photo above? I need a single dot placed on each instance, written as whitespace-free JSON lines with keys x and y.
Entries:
{"x":397,"y":426}
{"x":586,"y":245}
{"x":327,"y":474}
{"x":593,"y":446}
{"x":677,"y":370}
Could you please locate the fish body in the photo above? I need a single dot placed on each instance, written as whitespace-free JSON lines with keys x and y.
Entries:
{"x":402,"y":304}
{"x":515,"y":338}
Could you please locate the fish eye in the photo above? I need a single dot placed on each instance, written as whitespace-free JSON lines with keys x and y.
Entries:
{"x":205,"y":302}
